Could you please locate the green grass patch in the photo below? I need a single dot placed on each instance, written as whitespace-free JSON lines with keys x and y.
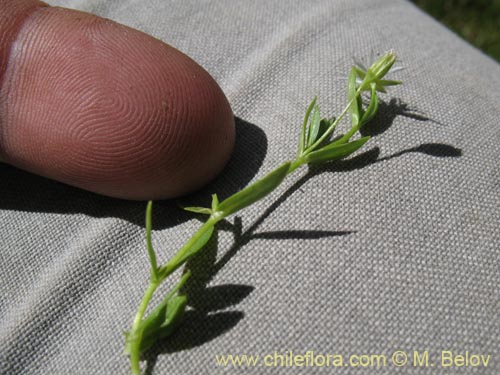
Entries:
{"x":477,"y":21}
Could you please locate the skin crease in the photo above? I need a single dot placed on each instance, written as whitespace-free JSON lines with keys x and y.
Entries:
{"x":100,"y":106}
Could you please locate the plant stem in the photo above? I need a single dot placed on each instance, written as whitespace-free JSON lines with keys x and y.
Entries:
{"x":136,"y":331}
{"x":144,"y":304}
{"x":296,"y":164}
{"x":151,"y":252}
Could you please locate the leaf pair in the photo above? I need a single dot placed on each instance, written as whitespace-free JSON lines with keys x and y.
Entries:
{"x":245,"y":197}
{"x":204,"y":210}
{"x":313,"y":127}
{"x":169,"y":318}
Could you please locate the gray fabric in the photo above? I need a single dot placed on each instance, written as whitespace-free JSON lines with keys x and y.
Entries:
{"x":396,"y":249}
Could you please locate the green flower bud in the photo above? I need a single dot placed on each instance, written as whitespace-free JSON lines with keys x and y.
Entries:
{"x":381,"y":66}
{"x":378,"y":70}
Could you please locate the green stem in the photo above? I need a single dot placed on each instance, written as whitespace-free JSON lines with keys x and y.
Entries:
{"x":296,"y":164}
{"x":136,"y":331}
{"x":144,"y":304}
{"x":151,"y":252}
{"x":135,"y":354}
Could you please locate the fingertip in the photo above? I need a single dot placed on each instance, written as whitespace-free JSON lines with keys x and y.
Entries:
{"x":109,"y":109}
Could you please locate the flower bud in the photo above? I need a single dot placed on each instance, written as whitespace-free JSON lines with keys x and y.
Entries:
{"x":381,"y":66}
{"x":378,"y":70}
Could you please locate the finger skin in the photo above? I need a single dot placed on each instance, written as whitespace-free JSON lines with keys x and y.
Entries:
{"x":98,"y":105}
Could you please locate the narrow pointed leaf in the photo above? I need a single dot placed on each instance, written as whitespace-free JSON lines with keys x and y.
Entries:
{"x":254,"y":192}
{"x":189,"y":249}
{"x":324,"y":125}
{"x":360,"y":72}
{"x":171,"y":319}
{"x":157,"y":316}
{"x":199,"y":210}
{"x":336,"y":151}
{"x":388,"y":82}
{"x":314,"y":126}
{"x":355,"y":107}
{"x":383,"y":83}
{"x":154,"y":321}
{"x":215,"y":202}
{"x":174,"y":311}
{"x":380,"y":88}
{"x":303,"y":134}
{"x":198,"y":244}
{"x":372,"y":107}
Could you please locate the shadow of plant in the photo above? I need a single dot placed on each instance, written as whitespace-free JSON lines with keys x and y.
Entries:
{"x":387,"y":112}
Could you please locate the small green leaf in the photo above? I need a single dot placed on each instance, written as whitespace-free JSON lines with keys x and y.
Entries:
{"x":379,"y":88}
{"x":383,"y":83}
{"x":355,"y":109}
{"x":314,"y":126}
{"x":324,"y":125}
{"x":254,"y":192}
{"x":158,"y":317}
{"x":170,"y":321}
{"x":360,"y":72}
{"x":335,"y":151}
{"x":303,"y":135}
{"x":198,"y":244}
{"x":199,"y":210}
{"x":190,"y":248}
{"x":215,"y":202}
{"x":388,"y":82}
{"x":372,"y":107}
{"x":175,"y":310}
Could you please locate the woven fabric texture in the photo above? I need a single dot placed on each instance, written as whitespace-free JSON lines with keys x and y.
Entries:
{"x":395,"y":249}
